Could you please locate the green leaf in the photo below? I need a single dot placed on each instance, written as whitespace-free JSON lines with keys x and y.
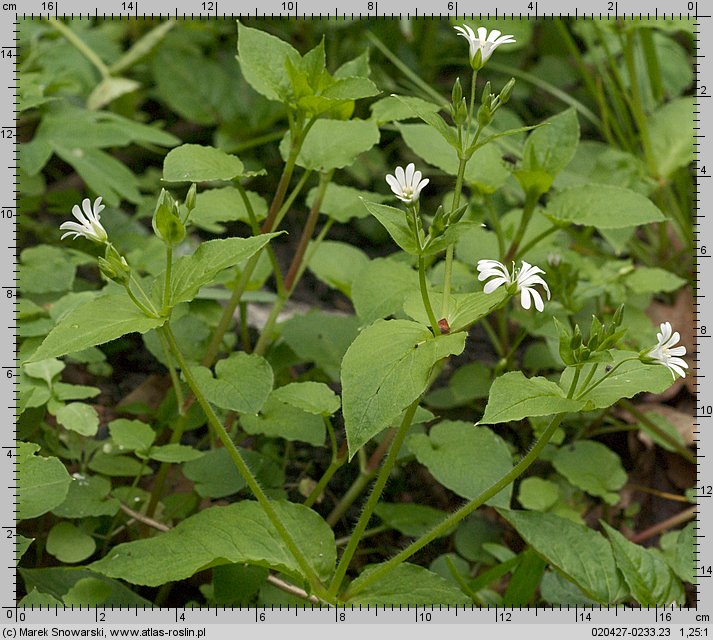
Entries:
{"x":197,"y":163}
{"x":558,"y":590}
{"x":243,"y":382}
{"x":36,"y":599}
{"x":174,"y":453}
{"x":45,"y":370}
{"x":452,"y":450}
{"x":626,"y":381}
{"x":381,"y":287}
{"x":79,"y":417}
{"x":484,"y":170}
{"x":190,"y":273}
{"x":109,"y":90}
{"x":407,"y":585}
{"x":537,"y":494}
{"x":69,"y":544}
{"x":240,"y":532}
{"x":412,"y":520}
{"x":22,"y":544}
{"x":653,"y":280}
{"x":375,"y":391}
{"x":43,"y":483}
{"x":394,"y":221}
{"x":351,"y":88}
{"x":684,"y":561}
{"x":671,"y":132}
{"x":582,"y":555}
{"x":313,"y":397}
{"x":550,"y":148}
{"x":334,"y":144}
{"x":45,"y":269}
{"x":88,"y":496}
{"x":395,"y":108}
{"x":471,"y":307}
{"x":514,"y":397}
{"x":337,"y":263}
{"x":468,"y":383}
{"x":58,"y":581}
{"x":602,"y":206}
{"x":131,"y":435}
{"x":592,"y":467}
{"x":215,"y":206}
{"x":215,"y":475}
{"x":343,"y":203}
{"x":281,"y":420}
{"x":88,"y":592}
{"x":649,"y":578}
{"x":525,"y":580}
{"x":143,"y":46}
{"x":98,"y":321}
{"x":263,"y":59}
{"x":114,"y":465}
{"x":322,"y":338}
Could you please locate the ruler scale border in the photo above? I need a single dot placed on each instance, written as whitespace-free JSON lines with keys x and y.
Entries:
{"x":693,"y":618}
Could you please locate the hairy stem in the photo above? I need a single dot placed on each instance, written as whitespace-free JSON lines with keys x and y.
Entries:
{"x":464,"y":511}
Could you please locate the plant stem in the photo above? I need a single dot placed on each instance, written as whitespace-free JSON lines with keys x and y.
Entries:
{"x":78,"y":44}
{"x":652,"y":426}
{"x":575,"y":380}
{"x":244,"y":470}
{"x":461,"y":513}
{"x":374,"y":497}
{"x":604,"y":377}
{"x":424,"y":296}
{"x":536,"y":240}
{"x":346,"y":501}
{"x":177,"y":390}
{"x":167,"y":280}
{"x":528,"y":209}
{"x":674,"y":521}
{"x":291,"y":278}
{"x":138,"y":303}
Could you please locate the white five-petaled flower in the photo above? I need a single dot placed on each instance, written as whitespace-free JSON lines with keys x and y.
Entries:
{"x":483,"y":42}
{"x":407,"y":184}
{"x":88,"y":225}
{"x":666,"y":353}
{"x":525,"y":278}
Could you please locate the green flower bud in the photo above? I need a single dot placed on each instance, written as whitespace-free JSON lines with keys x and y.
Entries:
{"x":114,"y":266}
{"x":485,"y":115}
{"x":456,"y":93}
{"x":618,"y":316}
{"x":191,"y":198}
{"x":507,"y":91}
{"x":166,"y":222}
{"x":487,"y":95}
{"x":460,"y":116}
{"x":576,"y":339}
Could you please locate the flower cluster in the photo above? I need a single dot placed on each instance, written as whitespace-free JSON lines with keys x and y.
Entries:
{"x":407,"y":185}
{"x":521,"y":280}
{"x":88,"y":226}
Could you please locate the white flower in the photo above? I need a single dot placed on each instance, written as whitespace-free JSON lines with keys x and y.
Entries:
{"x":483,"y":42}
{"x":523,"y":279}
{"x":89,"y":225}
{"x":407,"y":184}
{"x":666,"y":354}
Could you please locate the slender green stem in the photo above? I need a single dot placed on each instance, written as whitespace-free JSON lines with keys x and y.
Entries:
{"x":461,"y":513}
{"x":424,"y":296}
{"x":374,"y":497}
{"x":590,"y":375}
{"x":637,"y":105}
{"x":535,"y":241}
{"x":167,"y":280}
{"x":471,"y":107}
{"x":575,"y":381}
{"x":527,"y":211}
{"x":587,"y":390}
{"x":338,"y":459}
{"x":652,"y":63}
{"x":78,"y":44}
{"x":494,"y":339}
{"x":138,"y":303}
{"x":177,"y":389}
{"x":244,"y":328}
{"x":346,"y":501}
{"x":448,"y":270}
{"x":654,"y":428}
{"x":269,"y":327}
{"x":244,"y":470}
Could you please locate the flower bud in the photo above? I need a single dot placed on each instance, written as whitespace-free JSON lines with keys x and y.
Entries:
{"x":485,"y":115}
{"x":460,"y":116}
{"x":507,"y":91}
{"x":456,"y":93}
{"x":576,"y":339}
{"x":114,"y":266}
{"x":191,"y":198}
{"x":476,"y":62}
{"x":487,"y":95}
{"x":166,"y":223}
